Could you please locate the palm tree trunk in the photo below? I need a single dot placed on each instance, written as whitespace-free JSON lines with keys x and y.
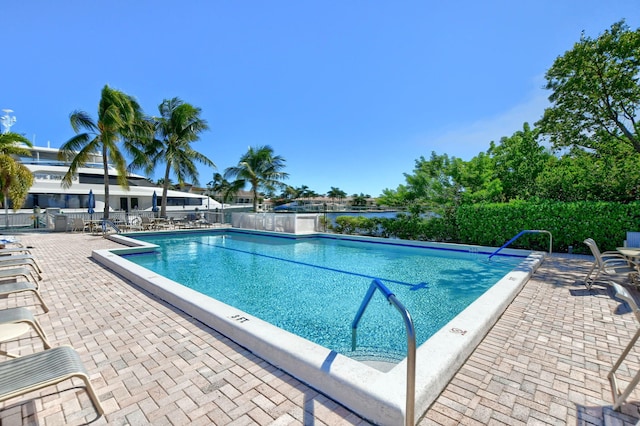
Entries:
{"x":6,"y":208}
{"x":165,"y":189}
{"x":105,"y":166}
{"x":254,"y":189}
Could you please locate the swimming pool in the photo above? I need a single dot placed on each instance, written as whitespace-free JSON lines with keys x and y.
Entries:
{"x":313,"y":287}
{"x":377,"y":395}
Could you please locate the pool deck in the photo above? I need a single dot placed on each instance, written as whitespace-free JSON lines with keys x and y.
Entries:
{"x":544,"y":362}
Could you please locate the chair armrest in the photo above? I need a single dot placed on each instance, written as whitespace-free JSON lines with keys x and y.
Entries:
{"x":621,"y":261}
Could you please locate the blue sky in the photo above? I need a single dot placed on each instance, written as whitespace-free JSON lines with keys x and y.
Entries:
{"x":350,"y":93}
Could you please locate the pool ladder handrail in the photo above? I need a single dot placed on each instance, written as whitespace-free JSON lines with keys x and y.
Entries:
{"x":106,"y":223}
{"x":411,"y":341}
{"x":521,"y":233}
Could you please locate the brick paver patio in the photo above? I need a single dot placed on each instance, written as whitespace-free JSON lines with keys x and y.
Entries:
{"x":544,"y":362}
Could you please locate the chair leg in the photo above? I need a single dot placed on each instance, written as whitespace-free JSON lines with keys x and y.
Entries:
{"x":620,"y":396}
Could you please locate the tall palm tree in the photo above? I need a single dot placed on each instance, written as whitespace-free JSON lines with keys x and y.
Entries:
{"x":259,"y":168}
{"x":177,"y":127}
{"x":336,"y":193}
{"x":120,"y":118}
{"x":15,"y":177}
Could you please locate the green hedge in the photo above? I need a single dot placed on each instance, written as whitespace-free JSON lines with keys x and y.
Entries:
{"x":494,"y":224}
{"x":569,"y":223}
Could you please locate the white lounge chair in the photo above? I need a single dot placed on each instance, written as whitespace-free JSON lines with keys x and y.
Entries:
{"x":27,"y":257}
{"x":15,"y":250}
{"x":14,"y":322}
{"x":609,"y":263}
{"x":619,"y":395}
{"x":20,"y":286}
{"x":78,"y":224}
{"x":14,"y":273}
{"x":35,"y":371}
{"x":12,"y":263}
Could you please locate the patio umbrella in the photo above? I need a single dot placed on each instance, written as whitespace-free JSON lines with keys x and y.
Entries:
{"x":154,"y":202}
{"x":92,"y":203}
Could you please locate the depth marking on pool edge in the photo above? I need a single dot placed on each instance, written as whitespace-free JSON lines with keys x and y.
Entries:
{"x":239,"y":318}
{"x":459,"y":331}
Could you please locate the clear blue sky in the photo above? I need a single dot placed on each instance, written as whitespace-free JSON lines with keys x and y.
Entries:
{"x":350,"y":93}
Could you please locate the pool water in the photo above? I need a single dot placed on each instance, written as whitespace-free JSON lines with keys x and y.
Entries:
{"x":313,"y":287}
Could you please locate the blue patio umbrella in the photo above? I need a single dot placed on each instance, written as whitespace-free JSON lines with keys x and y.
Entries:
{"x":154,"y":202}
{"x":92,"y":202}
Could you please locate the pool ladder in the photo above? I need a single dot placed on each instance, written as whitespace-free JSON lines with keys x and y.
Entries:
{"x":376,"y":284}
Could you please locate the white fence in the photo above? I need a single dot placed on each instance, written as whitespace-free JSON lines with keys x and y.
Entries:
{"x":297,"y":223}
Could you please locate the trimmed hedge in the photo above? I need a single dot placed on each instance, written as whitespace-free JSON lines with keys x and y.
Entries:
{"x":495,"y":224}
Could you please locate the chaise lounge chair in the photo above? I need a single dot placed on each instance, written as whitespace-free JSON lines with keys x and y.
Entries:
{"x":14,"y":250}
{"x":14,"y":273}
{"x":13,"y":261}
{"x":14,"y":322}
{"x":25,"y":257}
{"x":33,"y":372}
{"x":20,"y":286}
{"x":609,"y":263}
{"x":619,"y":396}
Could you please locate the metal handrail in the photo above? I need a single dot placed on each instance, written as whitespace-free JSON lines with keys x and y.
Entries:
{"x":521,"y":233}
{"x":108,"y":223}
{"x":411,"y":341}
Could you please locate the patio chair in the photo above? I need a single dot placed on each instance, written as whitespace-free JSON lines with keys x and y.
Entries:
{"x":20,"y":286}
{"x":619,"y":395}
{"x":39,"y":370}
{"x":10,"y":263}
{"x":14,"y":322}
{"x":633,"y":239}
{"x":609,"y":263}
{"x":147,"y":223}
{"x":78,"y":224}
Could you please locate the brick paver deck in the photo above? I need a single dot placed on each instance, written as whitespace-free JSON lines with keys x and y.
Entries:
{"x":545,"y":361}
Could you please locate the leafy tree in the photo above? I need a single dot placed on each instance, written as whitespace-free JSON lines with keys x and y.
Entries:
{"x":394,"y":198}
{"x":478,"y":180}
{"x":119,"y":118}
{"x":517,"y":162}
{"x":259,"y":168}
{"x":596,"y":93}
{"x":178,"y":125}
{"x":587,"y":176}
{"x":432,"y":186}
{"x":15,"y":178}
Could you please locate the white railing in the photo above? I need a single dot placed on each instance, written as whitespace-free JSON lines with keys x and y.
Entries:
{"x":297,"y":223}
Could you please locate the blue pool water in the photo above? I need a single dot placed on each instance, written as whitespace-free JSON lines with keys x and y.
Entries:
{"x":313,"y":287}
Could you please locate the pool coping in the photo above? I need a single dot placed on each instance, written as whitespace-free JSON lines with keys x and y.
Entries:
{"x":377,"y":396}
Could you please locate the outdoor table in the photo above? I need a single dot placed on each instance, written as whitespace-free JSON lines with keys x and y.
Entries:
{"x":630,"y":252}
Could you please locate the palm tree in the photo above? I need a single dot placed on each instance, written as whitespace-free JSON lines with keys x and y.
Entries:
{"x":177,"y":127}
{"x":119,"y":118}
{"x":160,"y":182}
{"x":260,"y":168}
{"x":225,"y":189}
{"x":15,"y":177}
